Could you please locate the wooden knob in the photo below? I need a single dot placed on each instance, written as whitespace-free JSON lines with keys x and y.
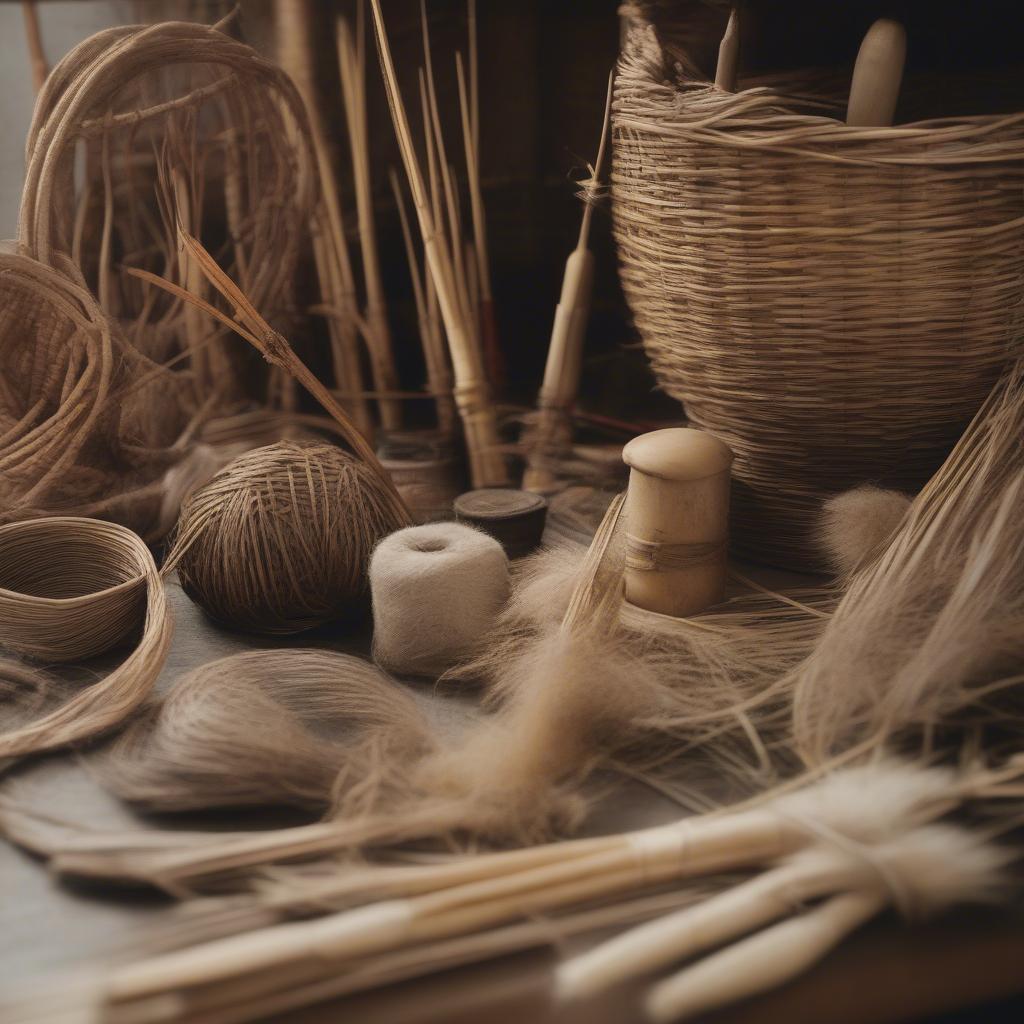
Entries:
{"x":875,"y":87}
{"x":677,"y":514}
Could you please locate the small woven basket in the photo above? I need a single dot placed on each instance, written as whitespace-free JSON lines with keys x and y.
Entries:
{"x":833,"y":302}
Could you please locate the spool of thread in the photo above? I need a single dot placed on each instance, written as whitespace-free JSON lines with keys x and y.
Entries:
{"x":677,"y":510}
{"x":514,"y":518}
{"x":425,"y":469}
{"x":437,"y":589}
{"x":279,"y":540}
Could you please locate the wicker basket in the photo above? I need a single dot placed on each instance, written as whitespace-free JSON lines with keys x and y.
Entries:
{"x":833,"y":302}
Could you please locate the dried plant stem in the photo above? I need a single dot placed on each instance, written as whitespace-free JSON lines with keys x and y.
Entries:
{"x":487,"y":464}
{"x":352,"y":65}
{"x":294,"y":22}
{"x":248,"y":324}
{"x":439,"y":375}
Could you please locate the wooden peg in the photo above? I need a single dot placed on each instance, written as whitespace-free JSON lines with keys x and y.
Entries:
{"x":875,"y":87}
{"x":677,"y":514}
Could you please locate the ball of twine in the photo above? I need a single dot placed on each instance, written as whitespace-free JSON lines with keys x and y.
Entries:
{"x":279,"y":540}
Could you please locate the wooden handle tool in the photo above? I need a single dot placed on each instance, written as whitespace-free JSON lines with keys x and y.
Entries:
{"x":875,"y":87}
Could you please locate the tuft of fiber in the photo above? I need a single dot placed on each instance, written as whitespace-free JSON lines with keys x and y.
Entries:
{"x":278,"y":542}
{"x":269,"y":728}
{"x":857,"y":524}
{"x":437,"y":590}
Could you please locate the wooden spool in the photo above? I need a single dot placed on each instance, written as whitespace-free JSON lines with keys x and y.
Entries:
{"x":426,"y":470}
{"x":515,"y":518}
{"x":677,"y":511}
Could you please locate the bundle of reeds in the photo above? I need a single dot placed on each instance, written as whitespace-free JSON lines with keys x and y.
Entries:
{"x":455,"y":281}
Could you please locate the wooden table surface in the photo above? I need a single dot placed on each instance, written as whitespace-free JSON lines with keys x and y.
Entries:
{"x":50,"y":930}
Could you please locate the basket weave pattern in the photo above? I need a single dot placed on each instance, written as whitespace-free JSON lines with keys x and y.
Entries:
{"x":833,"y":302}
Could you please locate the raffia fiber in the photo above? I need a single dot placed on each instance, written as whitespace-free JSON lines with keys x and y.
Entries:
{"x":930,"y":635}
{"x":80,"y":586}
{"x":835,"y":303}
{"x":279,"y":540}
{"x":178,"y":123}
{"x":269,"y":727}
{"x":88,"y":425}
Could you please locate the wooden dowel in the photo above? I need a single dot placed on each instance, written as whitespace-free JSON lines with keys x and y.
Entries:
{"x":875,"y":86}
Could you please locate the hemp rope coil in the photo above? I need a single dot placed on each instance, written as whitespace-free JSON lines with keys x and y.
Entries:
{"x":71,"y":588}
{"x":834,"y":302}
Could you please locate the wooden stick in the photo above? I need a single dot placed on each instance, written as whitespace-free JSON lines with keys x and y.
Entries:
{"x":34,"y":38}
{"x":875,"y":87}
{"x":352,"y":65}
{"x":727,"y":68}
{"x":565,"y":350}
{"x":487,"y":464}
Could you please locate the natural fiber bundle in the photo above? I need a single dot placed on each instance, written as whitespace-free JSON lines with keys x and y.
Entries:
{"x":279,"y":540}
{"x":932,"y":631}
{"x":269,"y":728}
{"x":833,"y":302}
{"x":856,"y":526}
{"x":88,"y":425}
{"x":68,"y":609}
{"x":178,"y":124}
{"x":66,"y":593}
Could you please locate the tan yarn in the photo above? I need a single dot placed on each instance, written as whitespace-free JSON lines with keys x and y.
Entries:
{"x":279,"y":540}
{"x":833,"y":302}
{"x":84,"y":585}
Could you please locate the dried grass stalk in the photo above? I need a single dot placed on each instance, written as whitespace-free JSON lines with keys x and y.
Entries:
{"x":82,"y":613}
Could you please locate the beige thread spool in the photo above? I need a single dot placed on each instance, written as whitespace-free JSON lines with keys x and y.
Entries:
{"x":677,"y":513}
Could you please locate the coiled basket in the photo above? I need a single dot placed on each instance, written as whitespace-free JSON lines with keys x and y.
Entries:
{"x":833,"y":302}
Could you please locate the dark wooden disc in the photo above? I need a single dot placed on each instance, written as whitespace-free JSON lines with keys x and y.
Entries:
{"x":514,"y":518}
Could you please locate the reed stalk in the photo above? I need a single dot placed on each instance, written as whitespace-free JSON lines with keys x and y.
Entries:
{"x":479,"y":416}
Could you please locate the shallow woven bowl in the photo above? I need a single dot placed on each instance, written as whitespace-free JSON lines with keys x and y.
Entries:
{"x":68,"y":591}
{"x":835,"y":303}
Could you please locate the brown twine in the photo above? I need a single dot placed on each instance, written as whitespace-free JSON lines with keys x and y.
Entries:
{"x":833,"y":302}
{"x":279,"y":540}
{"x":656,"y":556}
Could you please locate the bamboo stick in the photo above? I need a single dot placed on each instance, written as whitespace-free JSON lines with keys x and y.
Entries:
{"x":352,"y":66}
{"x":728,"y":54}
{"x":565,"y":350}
{"x":479,"y":417}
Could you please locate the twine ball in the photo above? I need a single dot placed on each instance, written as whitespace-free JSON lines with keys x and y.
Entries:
{"x":437,"y":591}
{"x":279,"y":540}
